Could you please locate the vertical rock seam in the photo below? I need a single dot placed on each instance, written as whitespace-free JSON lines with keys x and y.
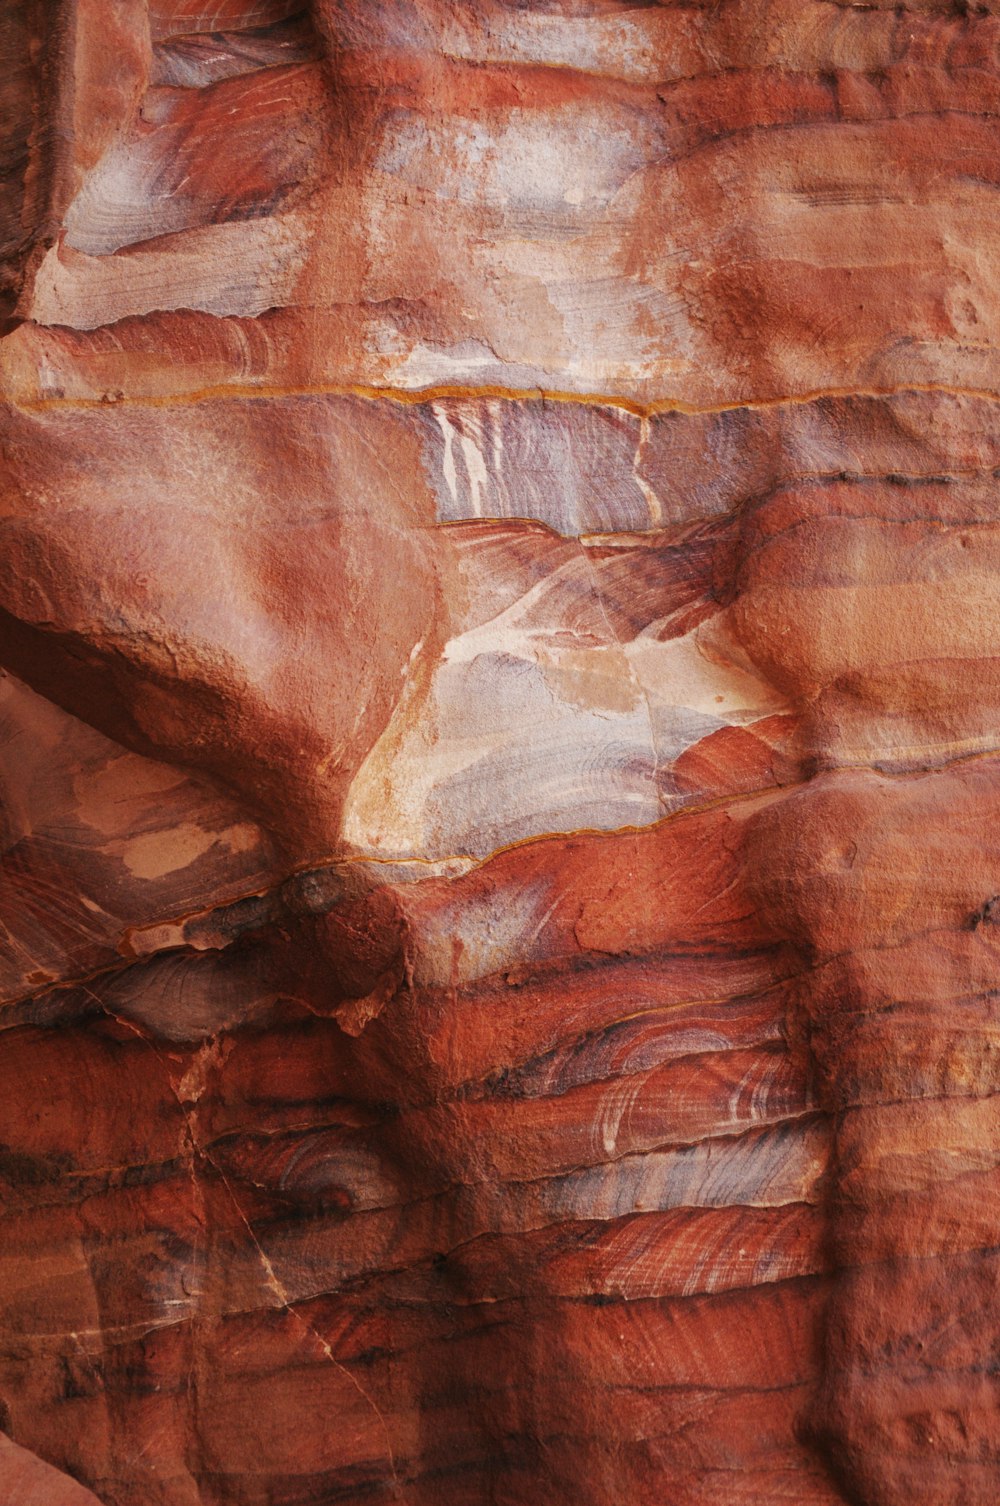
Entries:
{"x":498,"y":752}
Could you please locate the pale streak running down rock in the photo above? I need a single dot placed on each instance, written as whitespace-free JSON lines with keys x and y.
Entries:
{"x":499,"y":753}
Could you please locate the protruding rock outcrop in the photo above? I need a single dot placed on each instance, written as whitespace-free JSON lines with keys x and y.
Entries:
{"x":498,"y":753}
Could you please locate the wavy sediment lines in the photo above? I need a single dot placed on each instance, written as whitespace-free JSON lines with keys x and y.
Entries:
{"x":599,"y":271}
{"x":618,"y":656}
{"x":886,"y":887}
{"x":498,"y":760}
{"x":587,"y":464}
{"x":513,"y":970}
{"x":341,"y":1267}
{"x":447,"y":393}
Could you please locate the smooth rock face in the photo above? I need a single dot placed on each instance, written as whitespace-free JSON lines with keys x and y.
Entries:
{"x":499,"y":768}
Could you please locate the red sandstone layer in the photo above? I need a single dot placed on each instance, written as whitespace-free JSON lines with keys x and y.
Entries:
{"x":498,"y":753}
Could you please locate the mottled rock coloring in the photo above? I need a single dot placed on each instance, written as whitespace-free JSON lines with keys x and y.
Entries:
{"x":499,"y":885}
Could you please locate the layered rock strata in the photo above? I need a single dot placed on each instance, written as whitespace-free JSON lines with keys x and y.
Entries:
{"x":498,"y":753}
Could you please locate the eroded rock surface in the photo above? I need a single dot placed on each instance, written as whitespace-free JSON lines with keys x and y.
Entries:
{"x":499,"y":766}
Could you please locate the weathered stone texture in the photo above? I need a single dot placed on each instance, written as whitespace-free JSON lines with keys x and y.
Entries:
{"x":499,"y":756}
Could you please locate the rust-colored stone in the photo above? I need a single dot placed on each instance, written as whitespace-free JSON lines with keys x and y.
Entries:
{"x":498,"y":755}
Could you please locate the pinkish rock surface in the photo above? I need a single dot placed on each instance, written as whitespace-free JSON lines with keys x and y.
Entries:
{"x":499,"y":764}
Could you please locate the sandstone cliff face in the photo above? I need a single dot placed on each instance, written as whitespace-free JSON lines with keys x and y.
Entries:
{"x":498,"y":752}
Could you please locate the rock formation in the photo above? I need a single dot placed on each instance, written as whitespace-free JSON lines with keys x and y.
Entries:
{"x":499,"y":753}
